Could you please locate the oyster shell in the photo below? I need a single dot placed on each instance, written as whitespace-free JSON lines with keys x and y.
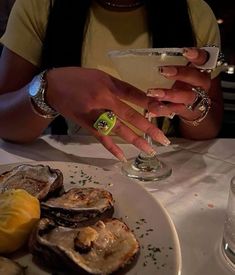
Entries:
{"x":110,"y":246}
{"x":79,"y":206}
{"x":9,"y":267}
{"x":38,"y":180}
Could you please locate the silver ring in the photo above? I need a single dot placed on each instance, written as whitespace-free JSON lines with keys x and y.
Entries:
{"x":221,"y":60}
{"x":202,"y":103}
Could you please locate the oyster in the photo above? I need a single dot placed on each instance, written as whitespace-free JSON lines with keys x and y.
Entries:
{"x":38,"y":180}
{"x":79,"y":206}
{"x":9,"y":267}
{"x":109,"y":246}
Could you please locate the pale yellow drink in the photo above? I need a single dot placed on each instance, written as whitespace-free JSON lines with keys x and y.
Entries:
{"x":141,"y":67}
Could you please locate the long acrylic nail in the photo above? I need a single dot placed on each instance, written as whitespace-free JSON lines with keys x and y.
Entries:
{"x":156,"y":93}
{"x":168,"y":71}
{"x":190,"y":53}
{"x":121,"y":157}
{"x":147,"y":149}
{"x":163,"y":140}
{"x":151,"y":152}
{"x":171,"y":116}
{"x":166,"y":141}
{"x":150,"y":115}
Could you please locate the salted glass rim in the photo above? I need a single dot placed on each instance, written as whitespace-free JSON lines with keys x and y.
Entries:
{"x":146,"y":52}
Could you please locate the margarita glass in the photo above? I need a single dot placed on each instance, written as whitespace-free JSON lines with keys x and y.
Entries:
{"x":140,"y":67}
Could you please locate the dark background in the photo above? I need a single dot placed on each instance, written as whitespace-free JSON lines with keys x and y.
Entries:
{"x":224,"y":11}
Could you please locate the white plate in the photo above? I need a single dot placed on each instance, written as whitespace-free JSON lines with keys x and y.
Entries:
{"x":160,"y":251}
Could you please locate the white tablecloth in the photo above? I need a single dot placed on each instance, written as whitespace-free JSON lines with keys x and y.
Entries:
{"x":195,"y":195}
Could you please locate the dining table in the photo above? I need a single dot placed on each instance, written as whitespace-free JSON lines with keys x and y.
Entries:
{"x":195,"y":195}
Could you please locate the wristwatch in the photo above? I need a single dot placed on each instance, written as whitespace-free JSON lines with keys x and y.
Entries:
{"x":37,"y":90}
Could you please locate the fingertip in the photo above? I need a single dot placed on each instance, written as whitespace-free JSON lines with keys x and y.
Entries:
{"x":121,"y":157}
{"x":166,"y":141}
{"x":154,"y":92}
{"x":118,"y":153}
{"x":163,"y":139}
{"x":190,"y":53}
{"x":168,"y":71}
{"x":196,"y":56}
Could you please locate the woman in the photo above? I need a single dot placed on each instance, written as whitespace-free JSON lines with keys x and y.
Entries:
{"x":73,"y":38}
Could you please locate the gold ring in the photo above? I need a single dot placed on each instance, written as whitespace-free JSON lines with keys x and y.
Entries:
{"x":105,"y":123}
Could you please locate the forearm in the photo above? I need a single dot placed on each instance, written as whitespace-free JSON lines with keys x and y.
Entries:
{"x":18,"y":121}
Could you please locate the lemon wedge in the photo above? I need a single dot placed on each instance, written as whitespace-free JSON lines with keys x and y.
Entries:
{"x":19,"y":211}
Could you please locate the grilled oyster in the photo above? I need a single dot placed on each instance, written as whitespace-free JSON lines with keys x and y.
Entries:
{"x":10,"y":267}
{"x":38,"y":180}
{"x":109,"y":246}
{"x":79,"y":206}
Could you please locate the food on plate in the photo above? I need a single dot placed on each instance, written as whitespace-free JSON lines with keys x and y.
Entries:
{"x":73,"y":232}
{"x":101,"y":248}
{"x":9,"y":267}
{"x":40,"y":181}
{"x":19,"y":212}
{"x":79,"y":206}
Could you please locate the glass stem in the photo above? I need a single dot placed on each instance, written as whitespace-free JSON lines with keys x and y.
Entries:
{"x":147,"y":137}
{"x":143,"y":155}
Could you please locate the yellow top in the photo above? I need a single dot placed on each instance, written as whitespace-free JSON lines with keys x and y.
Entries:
{"x":27,"y":23}
{"x":107,"y":30}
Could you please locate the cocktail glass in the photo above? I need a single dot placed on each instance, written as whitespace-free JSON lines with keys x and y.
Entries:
{"x":140,"y":67}
{"x":228,"y":241}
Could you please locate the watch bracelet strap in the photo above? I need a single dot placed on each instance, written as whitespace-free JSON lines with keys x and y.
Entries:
{"x":46,"y":111}
{"x":41,"y":114}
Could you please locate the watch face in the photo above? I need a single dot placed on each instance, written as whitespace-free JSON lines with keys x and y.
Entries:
{"x":34,"y":86}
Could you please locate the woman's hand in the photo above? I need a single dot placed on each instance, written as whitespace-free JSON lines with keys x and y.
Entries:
{"x":188,"y":80}
{"x":83,"y":94}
